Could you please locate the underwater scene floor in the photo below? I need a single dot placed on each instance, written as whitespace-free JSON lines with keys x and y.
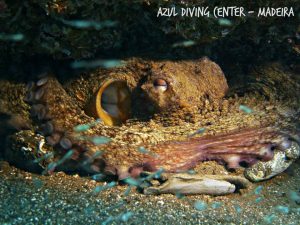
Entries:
{"x":28,"y":198}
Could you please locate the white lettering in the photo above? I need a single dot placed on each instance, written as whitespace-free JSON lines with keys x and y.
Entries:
{"x":229,"y":11}
{"x":195,"y":12}
{"x":280,"y":12}
{"x":166,"y":12}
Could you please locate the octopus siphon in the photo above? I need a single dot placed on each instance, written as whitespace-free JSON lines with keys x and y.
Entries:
{"x":146,"y":117}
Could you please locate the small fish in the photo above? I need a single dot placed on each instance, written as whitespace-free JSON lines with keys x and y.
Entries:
{"x":85,"y":127}
{"x":89,"y":210}
{"x":238,"y":209}
{"x":216,"y":205}
{"x":258,"y":200}
{"x":127,"y":191}
{"x":123,"y":217}
{"x":97,"y":63}
{"x":82,"y":128}
{"x":97,"y":153}
{"x":294,"y":196}
{"x":98,"y":189}
{"x":105,"y":187}
{"x":37,"y":183}
{"x":131,"y":181}
{"x":99,"y":140}
{"x":50,"y":168}
{"x":65,"y":51}
{"x":86,"y":24}
{"x":67,"y":156}
{"x":224,"y":22}
{"x":44,"y":157}
{"x":270,"y":218}
{"x":245,"y":109}
{"x":225,"y":32}
{"x":283,"y":209}
{"x":155,"y":175}
{"x":158,"y":173}
{"x":192,"y":172}
{"x":184,"y":44}
{"x":117,"y":205}
{"x":143,"y":150}
{"x":258,"y":190}
{"x":179,"y":195}
{"x":98,"y":177}
{"x":200,"y":205}
{"x":92,"y":158}
{"x":126,"y":216}
{"x":108,"y":220}
{"x":296,"y":210}
{"x":11,"y":37}
{"x":199,"y":131}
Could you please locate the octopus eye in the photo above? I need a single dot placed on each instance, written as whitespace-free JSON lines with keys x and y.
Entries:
{"x":112,"y":103}
{"x":160,"y":84}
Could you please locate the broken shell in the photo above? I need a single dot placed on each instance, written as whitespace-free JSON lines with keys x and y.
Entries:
{"x":281,"y":161}
{"x":112,"y":103}
{"x":199,"y":184}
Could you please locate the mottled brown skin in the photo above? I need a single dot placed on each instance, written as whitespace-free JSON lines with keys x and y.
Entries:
{"x":188,"y":84}
{"x":56,"y":109}
{"x":57,"y":113}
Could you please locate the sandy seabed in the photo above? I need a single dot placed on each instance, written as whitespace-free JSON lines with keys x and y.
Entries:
{"x":28,"y":198}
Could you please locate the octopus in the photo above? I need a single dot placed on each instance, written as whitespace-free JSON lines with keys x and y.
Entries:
{"x":148,"y":117}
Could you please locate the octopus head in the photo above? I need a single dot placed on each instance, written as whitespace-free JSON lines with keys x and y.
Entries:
{"x":175,"y":85}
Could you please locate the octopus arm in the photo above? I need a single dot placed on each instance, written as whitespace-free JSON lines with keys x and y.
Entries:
{"x":56,"y":115}
{"x":234,"y":149}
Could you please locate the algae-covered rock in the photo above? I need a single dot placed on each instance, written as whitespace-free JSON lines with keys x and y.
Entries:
{"x":85,"y":29}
